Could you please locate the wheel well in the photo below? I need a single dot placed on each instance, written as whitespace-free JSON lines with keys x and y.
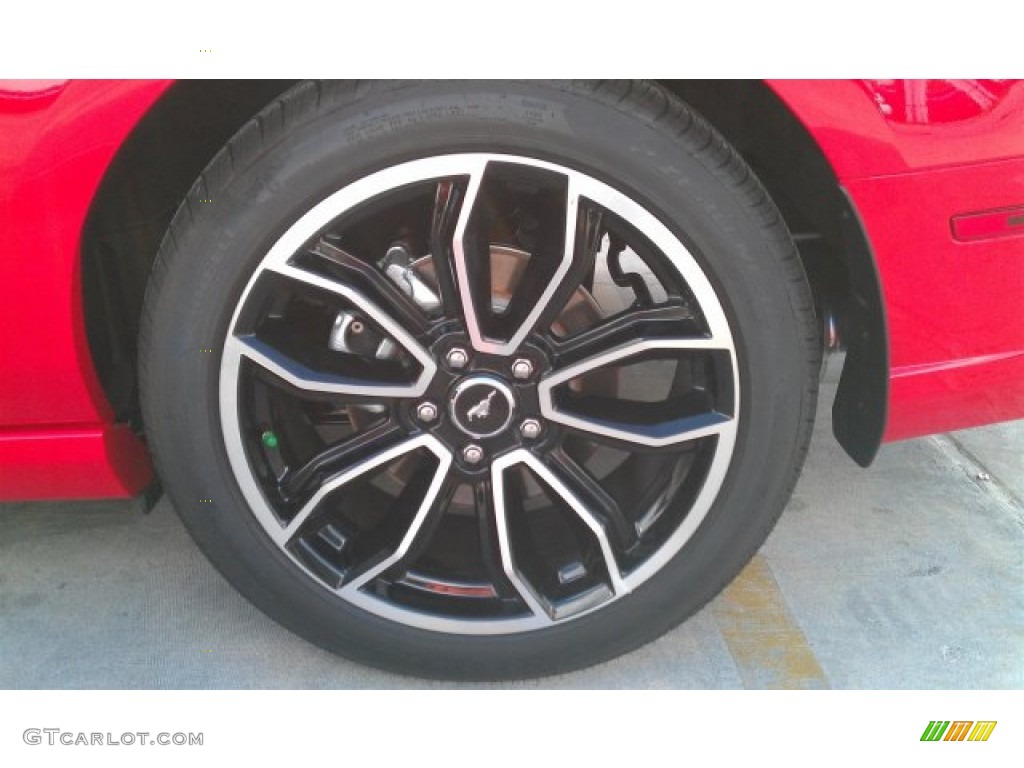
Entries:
{"x":826,"y":228}
{"x":149,"y":177}
{"x":170,"y":147}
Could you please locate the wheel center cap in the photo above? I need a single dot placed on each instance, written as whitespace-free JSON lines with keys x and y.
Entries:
{"x":482,"y":406}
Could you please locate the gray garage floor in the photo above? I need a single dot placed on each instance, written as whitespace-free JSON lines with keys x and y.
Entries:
{"x":908,"y":575}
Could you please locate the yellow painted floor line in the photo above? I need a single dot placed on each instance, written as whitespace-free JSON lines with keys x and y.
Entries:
{"x":769,"y":649}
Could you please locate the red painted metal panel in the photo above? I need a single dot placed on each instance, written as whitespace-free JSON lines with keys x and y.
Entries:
{"x":963,"y":394}
{"x":915,"y":155}
{"x":52,"y":158}
{"x":75,"y":462}
{"x":953,"y":308}
{"x":879,"y":127}
{"x":58,"y":139}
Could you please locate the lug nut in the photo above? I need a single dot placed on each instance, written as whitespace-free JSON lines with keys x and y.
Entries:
{"x":522,"y":368}
{"x":457,"y":357}
{"x":530,"y":429}
{"x":472,"y":454}
{"x":426,"y":412}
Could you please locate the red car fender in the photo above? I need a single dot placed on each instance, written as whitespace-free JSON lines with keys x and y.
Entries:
{"x":915,"y":155}
{"x":57,"y":437}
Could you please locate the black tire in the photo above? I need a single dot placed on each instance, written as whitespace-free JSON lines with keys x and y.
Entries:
{"x":633,"y":138}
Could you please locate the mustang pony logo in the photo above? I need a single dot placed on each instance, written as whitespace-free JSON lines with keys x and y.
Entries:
{"x":482,"y":409}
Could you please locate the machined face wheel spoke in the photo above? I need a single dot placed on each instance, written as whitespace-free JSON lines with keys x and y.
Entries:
{"x":611,"y":434}
{"x":495,"y":565}
{"x":448,"y":197}
{"x":618,"y":586}
{"x":286,"y":533}
{"x":375,"y":312}
{"x":663,"y":322}
{"x":334,"y":459}
{"x":597,"y":528}
{"x":471,"y":261}
{"x":533,"y":600}
{"x":471,"y":250}
{"x":428,"y":506}
{"x":304,"y":378}
{"x":402,"y":309}
{"x":627,"y":350}
{"x":594,"y":498}
{"x":669,"y":431}
{"x":645,"y":439}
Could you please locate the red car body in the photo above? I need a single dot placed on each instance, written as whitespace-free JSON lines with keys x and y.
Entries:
{"x":934,"y":169}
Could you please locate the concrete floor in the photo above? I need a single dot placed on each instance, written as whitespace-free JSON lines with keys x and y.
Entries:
{"x":908,"y":575}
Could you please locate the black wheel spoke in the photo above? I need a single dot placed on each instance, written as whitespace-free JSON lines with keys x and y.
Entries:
{"x":628,"y":422}
{"x":623,"y":437}
{"x":565,"y":496}
{"x":594,"y":497}
{"x":426,"y":492}
{"x":365,"y":353}
{"x":490,"y":547}
{"x":359,"y":300}
{"x":305,"y":480}
{"x":668,"y":321}
{"x":372,"y":283}
{"x":531,"y":597}
{"x":448,"y":198}
{"x":472,"y":261}
{"x":424,"y":499}
{"x":585,"y":241}
{"x":305,"y":379}
{"x":536,"y":213}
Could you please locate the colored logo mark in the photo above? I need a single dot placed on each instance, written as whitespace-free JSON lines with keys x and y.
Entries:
{"x":958,"y":730}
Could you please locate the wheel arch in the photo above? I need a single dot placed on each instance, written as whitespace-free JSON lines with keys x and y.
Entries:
{"x":774,"y":140}
{"x":169,"y":148}
{"x":132,"y":209}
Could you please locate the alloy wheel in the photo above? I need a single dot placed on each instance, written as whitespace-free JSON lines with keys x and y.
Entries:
{"x":479,"y":393}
